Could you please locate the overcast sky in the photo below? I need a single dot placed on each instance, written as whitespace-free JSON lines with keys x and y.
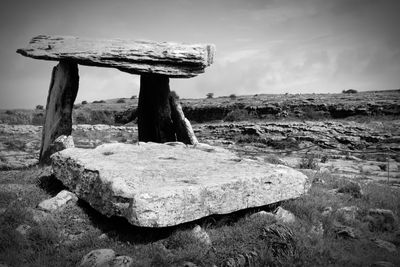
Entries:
{"x":263,"y":46}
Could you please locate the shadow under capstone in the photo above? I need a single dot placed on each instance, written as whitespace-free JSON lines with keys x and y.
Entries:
{"x":50,"y":184}
{"x":120,"y":229}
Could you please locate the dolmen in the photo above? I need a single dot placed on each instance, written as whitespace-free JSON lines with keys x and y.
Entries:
{"x":160,"y":118}
{"x":168,"y":177}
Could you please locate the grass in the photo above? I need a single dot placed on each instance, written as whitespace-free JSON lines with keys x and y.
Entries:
{"x":239,"y":115}
{"x":75,"y":230}
{"x":358,"y":252}
{"x":309,"y":161}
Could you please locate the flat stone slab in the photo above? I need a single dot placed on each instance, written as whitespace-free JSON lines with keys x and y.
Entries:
{"x":157,"y":185}
{"x":175,"y":60}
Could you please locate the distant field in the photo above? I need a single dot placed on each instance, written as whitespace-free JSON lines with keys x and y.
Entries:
{"x":234,"y":108}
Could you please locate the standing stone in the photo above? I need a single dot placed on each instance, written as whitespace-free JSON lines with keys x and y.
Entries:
{"x":154,"y":111}
{"x":182,"y":126}
{"x":60,"y":100}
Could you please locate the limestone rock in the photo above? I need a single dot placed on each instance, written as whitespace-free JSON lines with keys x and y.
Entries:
{"x":262,"y":213}
{"x":183,"y":128}
{"x":201,"y":235}
{"x":60,"y":200}
{"x":343,"y":231}
{"x":154,"y":110}
{"x":284,"y":216}
{"x":60,"y":100}
{"x":23,"y":229}
{"x":98,"y":258}
{"x":160,"y":185}
{"x":63,"y":142}
{"x":138,"y":57}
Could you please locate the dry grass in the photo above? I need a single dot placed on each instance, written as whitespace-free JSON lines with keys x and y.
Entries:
{"x":75,"y":231}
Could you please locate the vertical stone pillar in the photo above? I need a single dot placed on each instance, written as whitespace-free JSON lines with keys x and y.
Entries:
{"x":60,"y":100}
{"x":183,"y":128}
{"x":154,"y":111}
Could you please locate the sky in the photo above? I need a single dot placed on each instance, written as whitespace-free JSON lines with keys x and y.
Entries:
{"x":262,"y":46}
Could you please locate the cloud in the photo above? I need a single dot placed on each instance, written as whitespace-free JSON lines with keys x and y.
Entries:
{"x":263,"y":46}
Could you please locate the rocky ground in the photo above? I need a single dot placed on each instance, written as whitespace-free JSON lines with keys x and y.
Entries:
{"x":232,"y":108}
{"x":350,"y":216}
{"x":367,"y":151}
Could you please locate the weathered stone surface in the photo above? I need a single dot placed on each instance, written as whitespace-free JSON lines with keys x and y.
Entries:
{"x":262,"y":214}
{"x":167,"y":184}
{"x":23,"y":229}
{"x":285,"y":216}
{"x":60,"y":200}
{"x":138,"y":57}
{"x":60,"y":100}
{"x":201,"y":235}
{"x":62,"y":142}
{"x":343,"y":231}
{"x":154,"y":111}
{"x":182,"y":126}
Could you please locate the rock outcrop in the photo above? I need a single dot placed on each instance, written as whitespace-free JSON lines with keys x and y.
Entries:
{"x":138,"y":57}
{"x":158,"y":185}
{"x":57,"y":202}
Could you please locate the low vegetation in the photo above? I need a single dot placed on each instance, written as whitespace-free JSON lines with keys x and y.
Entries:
{"x":238,"y":115}
{"x":99,"y":101}
{"x":309,"y":161}
{"x":333,"y":226}
{"x":350,"y":91}
{"x":310,"y":241}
